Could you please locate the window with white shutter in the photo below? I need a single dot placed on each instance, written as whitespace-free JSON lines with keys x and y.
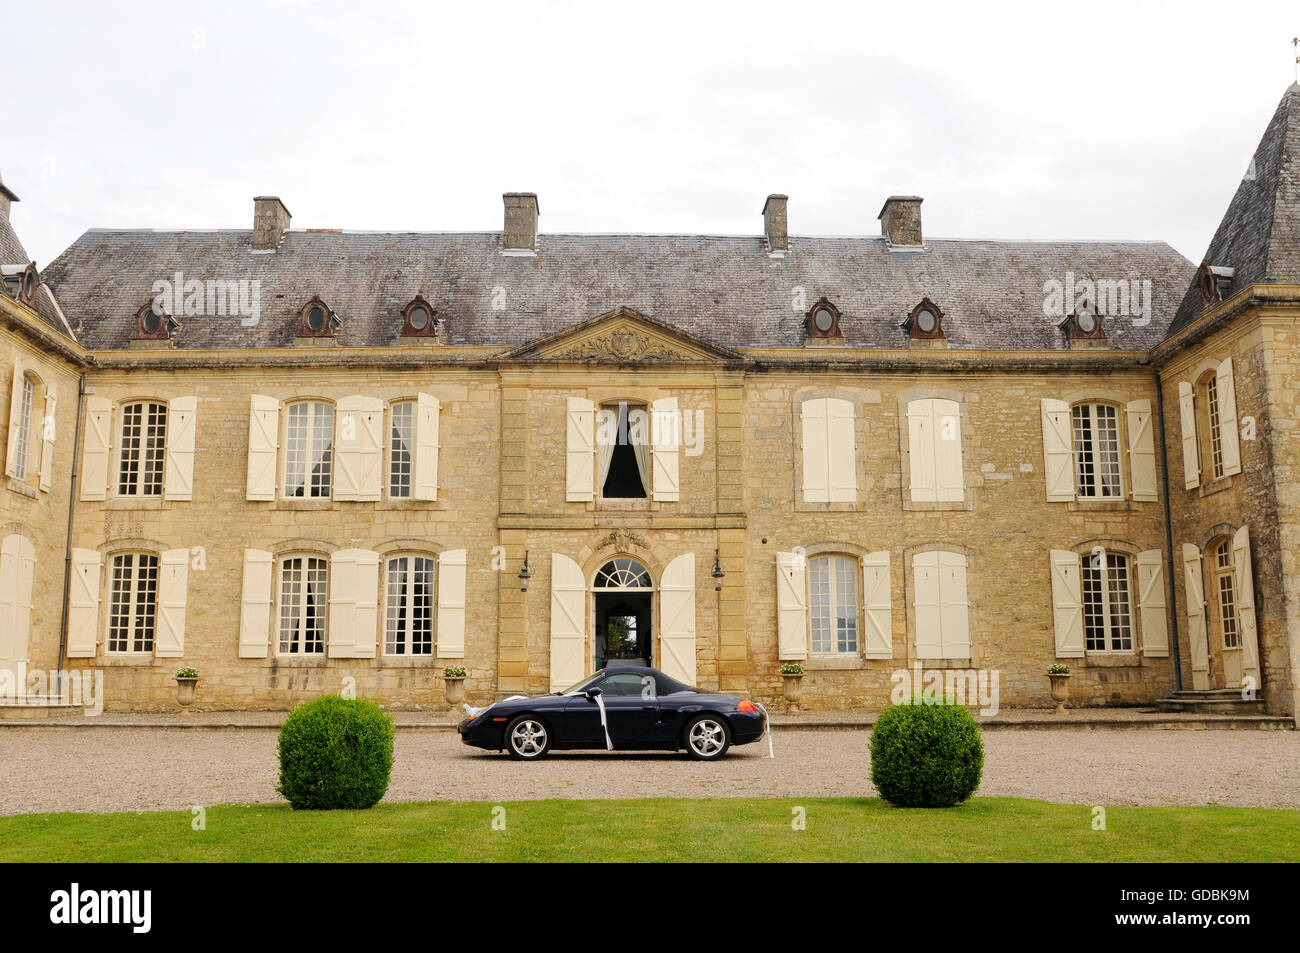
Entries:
{"x":1230,"y":448}
{"x":133,"y":603}
{"x":48,"y":433}
{"x":580,"y":450}
{"x":141,"y":449}
{"x":1141,"y":451}
{"x":1187,"y":423}
{"x":1067,"y":604}
{"x":1096,"y":451}
{"x":353,"y":603}
{"x":792,"y":606}
{"x":96,"y":446}
{"x":309,"y":449}
{"x":408,"y":605}
{"x":427,"y":437}
{"x":255,"y":606}
{"x":1194,"y":595}
{"x":263,"y":447}
{"x":173,"y":580}
{"x":829,"y":451}
{"x":1107,"y":602}
{"x":1243,"y":577}
{"x":21,"y":403}
{"x":17,"y":571}
{"x":941,"y":603}
{"x":302,"y":600}
{"x":665,"y":435}
{"x":452,"y":580}
{"x":83,"y":603}
{"x":877,"y":608}
{"x":1152,"y":604}
{"x":934,"y":451}
{"x":358,"y":448}
{"x":1058,"y":451}
{"x":833,"y":605}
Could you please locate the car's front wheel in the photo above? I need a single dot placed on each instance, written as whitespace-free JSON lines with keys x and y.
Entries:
{"x":707,"y":737}
{"x":527,"y":738}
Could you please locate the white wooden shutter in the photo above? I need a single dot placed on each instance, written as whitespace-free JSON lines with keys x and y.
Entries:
{"x":1243,"y":579}
{"x":1229,"y":446}
{"x":173,"y":577}
{"x":1152,"y":604}
{"x":179,"y":479}
{"x":83,"y":604}
{"x":816,"y":464}
{"x":1141,"y":451}
{"x":263,"y":445}
{"x":17,"y":572}
{"x":925,"y":601}
{"x":877,"y":611}
{"x":95,"y":448}
{"x":954,"y":606}
{"x":354,"y":603}
{"x":949,"y":476}
{"x":1187,"y":421}
{"x":580,"y":454}
{"x":425,"y":482}
{"x":792,"y":606}
{"x":1067,"y":604}
{"x":450,"y":631}
{"x":921,"y":451}
{"x":358,"y":448}
{"x":1196,"y":636}
{"x":841,"y":450}
{"x":48,"y":433}
{"x":677,"y":615}
{"x":568,"y":623}
{"x":15,"y":420}
{"x":665,"y":432}
{"x":255,"y":607}
{"x":1058,"y":450}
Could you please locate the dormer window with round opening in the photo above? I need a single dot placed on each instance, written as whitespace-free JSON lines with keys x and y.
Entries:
{"x":823,"y":321}
{"x":31,"y":281}
{"x":925,"y":322}
{"x":1083,"y":325}
{"x":318,"y":320}
{"x":153,"y":323}
{"x":419,"y":319}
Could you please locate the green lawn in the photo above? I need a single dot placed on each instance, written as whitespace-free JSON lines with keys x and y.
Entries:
{"x":1001,"y":829}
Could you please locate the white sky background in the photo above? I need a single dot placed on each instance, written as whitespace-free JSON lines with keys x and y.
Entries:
{"x":1098,"y":121}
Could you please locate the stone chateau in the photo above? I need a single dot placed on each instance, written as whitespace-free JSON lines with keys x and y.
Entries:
{"x":305,"y":459}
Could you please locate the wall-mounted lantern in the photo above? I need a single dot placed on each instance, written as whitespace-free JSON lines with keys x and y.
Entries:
{"x":524,"y":574}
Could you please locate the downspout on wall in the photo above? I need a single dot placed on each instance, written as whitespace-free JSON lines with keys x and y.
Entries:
{"x":1169,"y":534}
{"x":67,"y":548}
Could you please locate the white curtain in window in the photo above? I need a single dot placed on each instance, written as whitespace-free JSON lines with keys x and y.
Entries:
{"x":608,"y":428}
{"x":640,"y":428}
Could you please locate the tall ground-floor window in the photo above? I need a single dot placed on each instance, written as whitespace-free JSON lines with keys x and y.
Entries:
{"x":133,"y":602}
{"x":408,"y":626}
{"x":1227,"y":595}
{"x":1107,"y":602}
{"x":833,"y":604}
{"x":303,"y":598}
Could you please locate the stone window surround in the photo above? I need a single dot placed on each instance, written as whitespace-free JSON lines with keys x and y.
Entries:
{"x":1208,"y":484}
{"x":857,"y":397}
{"x":600,"y":396}
{"x":968,"y":474}
{"x":1122,"y":658}
{"x":409,"y":547}
{"x":974,"y":596}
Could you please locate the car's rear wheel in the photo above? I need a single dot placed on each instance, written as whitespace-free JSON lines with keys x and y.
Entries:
{"x":527,"y":738}
{"x":707,"y":737}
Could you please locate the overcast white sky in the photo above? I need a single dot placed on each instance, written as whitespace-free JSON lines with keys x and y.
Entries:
{"x":1125,"y":121}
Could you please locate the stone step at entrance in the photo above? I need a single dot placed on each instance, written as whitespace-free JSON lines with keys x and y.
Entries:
{"x":25,"y":707}
{"x":1211,"y":701}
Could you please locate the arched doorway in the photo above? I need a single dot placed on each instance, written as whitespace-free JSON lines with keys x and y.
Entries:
{"x":623,"y":600}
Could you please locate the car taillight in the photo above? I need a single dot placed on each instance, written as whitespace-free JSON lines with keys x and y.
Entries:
{"x":747,"y":705}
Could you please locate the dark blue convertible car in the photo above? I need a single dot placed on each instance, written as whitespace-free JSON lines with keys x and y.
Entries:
{"x":621,"y":707}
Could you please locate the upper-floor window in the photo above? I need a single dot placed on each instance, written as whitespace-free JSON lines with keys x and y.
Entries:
{"x":304,"y":595}
{"x":934,"y":451}
{"x":1096,"y":450}
{"x":829,"y":456}
{"x":401,"y":441}
{"x":1208,"y":415}
{"x":623,"y":451}
{"x":833,"y":604}
{"x":133,"y":603}
{"x":1107,"y":602}
{"x":409,"y":606}
{"x":142,"y":455}
{"x":308,"y":464}
{"x":942,"y":609}
{"x":23,"y":435}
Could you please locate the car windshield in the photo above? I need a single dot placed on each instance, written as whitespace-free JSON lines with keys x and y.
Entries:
{"x":582,"y":684}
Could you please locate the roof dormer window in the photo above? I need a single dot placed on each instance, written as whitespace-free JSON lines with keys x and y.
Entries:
{"x":153,"y":323}
{"x":925,"y":322}
{"x":318,"y":320}
{"x":1212,"y":281}
{"x":419,"y":319}
{"x":823,"y":320}
{"x":21,"y":281}
{"x":1083,"y":325}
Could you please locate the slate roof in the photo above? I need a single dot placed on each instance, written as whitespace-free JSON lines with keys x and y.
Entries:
{"x":724,"y":289}
{"x":12,"y":252}
{"x":1259,"y":236}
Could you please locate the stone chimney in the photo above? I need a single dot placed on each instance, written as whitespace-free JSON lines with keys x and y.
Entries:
{"x":774,"y":223}
{"x":270,"y":222}
{"x":900,"y":220}
{"x":521,"y":223}
{"x":7,"y":198}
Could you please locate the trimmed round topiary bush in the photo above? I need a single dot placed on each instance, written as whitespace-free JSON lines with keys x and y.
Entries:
{"x":335,"y":753}
{"x":926,"y":754}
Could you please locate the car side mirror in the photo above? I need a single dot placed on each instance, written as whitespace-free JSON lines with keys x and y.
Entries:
{"x":591,"y":694}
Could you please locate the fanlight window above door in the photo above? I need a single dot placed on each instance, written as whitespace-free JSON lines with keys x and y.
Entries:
{"x":623,"y":574}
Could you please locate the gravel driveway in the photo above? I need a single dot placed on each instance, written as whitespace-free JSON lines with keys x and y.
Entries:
{"x":132,"y":769}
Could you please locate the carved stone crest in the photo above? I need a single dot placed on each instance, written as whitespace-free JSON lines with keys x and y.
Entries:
{"x":621,"y":539}
{"x":624,"y":344}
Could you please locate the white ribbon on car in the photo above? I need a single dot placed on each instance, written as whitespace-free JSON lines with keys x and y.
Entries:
{"x":600,"y":702}
{"x":767,"y":729}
